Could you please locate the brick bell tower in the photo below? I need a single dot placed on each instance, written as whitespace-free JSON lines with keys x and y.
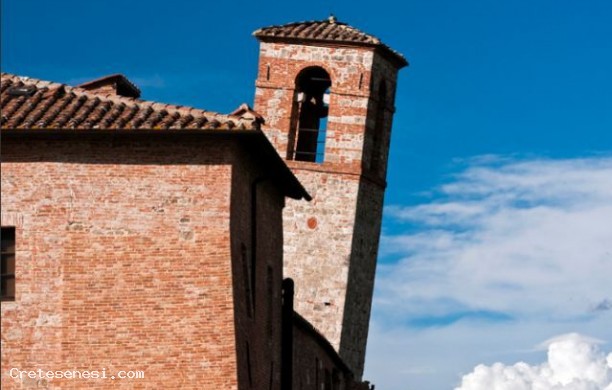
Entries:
{"x":326,"y":91}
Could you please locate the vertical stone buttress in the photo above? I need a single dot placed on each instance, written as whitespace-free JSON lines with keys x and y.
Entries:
{"x":331,"y":243}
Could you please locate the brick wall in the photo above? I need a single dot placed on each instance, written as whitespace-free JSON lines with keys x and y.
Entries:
{"x":258,"y":312}
{"x":317,"y":365}
{"x":331,"y":243}
{"x":274,"y":97}
{"x":125,"y":261}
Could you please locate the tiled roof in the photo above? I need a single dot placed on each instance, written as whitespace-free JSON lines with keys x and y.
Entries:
{"x":118,"y":82}
{"x":328,"y":30}
{"x":27,"y":103}
{"x":246,"y":112}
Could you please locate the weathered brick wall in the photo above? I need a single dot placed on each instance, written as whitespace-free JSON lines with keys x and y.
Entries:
{"x":316,"y":365}
{"x":331,"y":243}
{"x":258,"y":319}
{"x":349,"y":69}
{"x":123,"y":262}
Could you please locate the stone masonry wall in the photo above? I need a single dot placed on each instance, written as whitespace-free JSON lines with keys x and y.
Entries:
{"x":331,"y":243}
{"x":318,"y":249}
{"x":360,"y":288}
{"x":123,"y":262}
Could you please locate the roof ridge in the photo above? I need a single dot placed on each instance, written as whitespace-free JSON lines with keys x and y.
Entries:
{"x":24,"y":79}
{"x":128,"y":101}
{"x":302,"y":22}
{"x":204,"y":116}
{"x":117,"y":81}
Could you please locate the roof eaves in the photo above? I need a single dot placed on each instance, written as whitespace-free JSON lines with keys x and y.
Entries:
{"x":256,"y":141}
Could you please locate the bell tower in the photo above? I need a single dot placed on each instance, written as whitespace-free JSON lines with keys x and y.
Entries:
{"x":326,"y":91}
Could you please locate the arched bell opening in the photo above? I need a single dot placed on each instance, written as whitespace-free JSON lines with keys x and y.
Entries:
{"x":309,"y":119}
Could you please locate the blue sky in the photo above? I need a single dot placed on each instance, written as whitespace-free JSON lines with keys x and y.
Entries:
{"x":499,"y":95}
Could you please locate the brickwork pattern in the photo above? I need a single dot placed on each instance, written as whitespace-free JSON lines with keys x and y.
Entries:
{"x":129,"y":258}
{"x":317,"y":364}
{"x":258,"y":321}
{"x":331,"y":243}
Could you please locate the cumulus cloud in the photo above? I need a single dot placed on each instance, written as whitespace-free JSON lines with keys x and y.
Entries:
{"x":574,"y":363}
{"x":502,"y":255}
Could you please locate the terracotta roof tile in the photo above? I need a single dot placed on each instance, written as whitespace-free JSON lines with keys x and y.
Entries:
{"x":244,"y":111}
{"x":117,"y":82}
{"x":27,"y":103}
{"x":328,"y":30}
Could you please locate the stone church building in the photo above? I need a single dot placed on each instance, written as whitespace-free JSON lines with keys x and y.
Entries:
{"x":171,"y":247}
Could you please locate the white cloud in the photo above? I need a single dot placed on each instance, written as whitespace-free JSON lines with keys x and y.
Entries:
{"x":435,"y":358}
{"x":574,"y":363}
{"x":526,"y":238}
{"x":507,"y":253}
